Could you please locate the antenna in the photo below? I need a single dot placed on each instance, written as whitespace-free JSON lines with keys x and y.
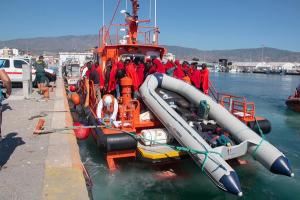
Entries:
{"x":154,"y":13}
{"x":150,"y":9}
{"x":103,"y":13}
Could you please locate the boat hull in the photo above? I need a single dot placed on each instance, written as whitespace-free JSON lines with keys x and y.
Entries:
{"x":293,"y":104}
{"x":117,"y":141}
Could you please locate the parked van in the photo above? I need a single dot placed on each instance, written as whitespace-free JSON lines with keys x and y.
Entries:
{"x":13,"y":67}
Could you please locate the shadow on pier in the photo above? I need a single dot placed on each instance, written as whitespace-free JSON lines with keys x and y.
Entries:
{"x":8,"y":146}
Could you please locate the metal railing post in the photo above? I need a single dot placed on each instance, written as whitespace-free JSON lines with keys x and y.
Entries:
{"x":27,"y":81}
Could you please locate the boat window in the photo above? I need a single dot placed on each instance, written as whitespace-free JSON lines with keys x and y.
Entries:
{"x":134,"y":57}
{"x":153,"y":54}
{"x":18,"y":63}
{"x":4,"y":63}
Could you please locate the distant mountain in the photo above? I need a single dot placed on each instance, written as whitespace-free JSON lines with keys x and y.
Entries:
{"x":53,"y":44}
{"x":85,"y":42}
{"x":242,"y":55}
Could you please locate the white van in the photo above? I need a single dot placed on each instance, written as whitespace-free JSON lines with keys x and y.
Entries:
{"x":13,"y":67}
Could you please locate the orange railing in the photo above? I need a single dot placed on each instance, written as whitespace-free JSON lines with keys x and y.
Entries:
{"x":145,"y":35}
{"x":237,"y":105}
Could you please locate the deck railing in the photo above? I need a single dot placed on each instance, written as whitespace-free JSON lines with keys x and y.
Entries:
{"x":237,"y":105}
{"x":118,"y":34}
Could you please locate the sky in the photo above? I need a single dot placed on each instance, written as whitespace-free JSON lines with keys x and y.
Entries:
{"x":202,"y":24}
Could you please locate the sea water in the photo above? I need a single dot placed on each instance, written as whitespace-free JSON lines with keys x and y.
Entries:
{"x":136,"y":180}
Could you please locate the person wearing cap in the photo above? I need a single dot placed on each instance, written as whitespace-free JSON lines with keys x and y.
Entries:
{"x":107,"y":109}
{"x":40,"y":67}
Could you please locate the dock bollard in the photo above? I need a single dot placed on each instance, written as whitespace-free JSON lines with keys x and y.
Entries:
{"x":27,"y":81}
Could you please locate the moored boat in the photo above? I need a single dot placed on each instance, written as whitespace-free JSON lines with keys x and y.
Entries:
{"x":293,"y":101}
{"x":171,"y":119}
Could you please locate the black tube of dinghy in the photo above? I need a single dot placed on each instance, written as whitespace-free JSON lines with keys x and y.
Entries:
{"x":264,"y":124}
{"x":112,"y":142}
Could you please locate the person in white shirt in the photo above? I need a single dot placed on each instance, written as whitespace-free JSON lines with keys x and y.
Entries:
{"x":107,"y":109}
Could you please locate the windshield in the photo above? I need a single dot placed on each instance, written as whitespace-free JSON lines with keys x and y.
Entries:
{"x":134,"y":57}
{"x":2,"y":63}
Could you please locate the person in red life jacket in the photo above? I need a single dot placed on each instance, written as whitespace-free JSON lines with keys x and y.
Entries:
{"x":169,"y":64}
{"x":120,"y":74}
{"x":186,"y":67}
{"x":131,"y":73}
{"x":90,"y":68}
{"x":152,"y":68}
{"x":132,"y":21}
{"x":148,"y":66}
{"x":112,"y":79}
{"x":159,"y":67}
{"x":171,"y":67}
{"x":140,"y":68}
{"x":204,"y":86}
{"x":297,"y":92}
{"x":178,"y":72}
{"x":107,"y":109}
{"x":195,"y":75}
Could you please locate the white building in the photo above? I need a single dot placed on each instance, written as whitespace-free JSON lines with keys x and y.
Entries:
{"x":79,"y":58}
{"x":7,"y":52}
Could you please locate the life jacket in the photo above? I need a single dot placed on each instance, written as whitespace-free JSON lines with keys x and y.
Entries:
{"x":169,"y":65}
{"x":160,"y":68}
{"x":140,"y":72}
{"x":204,"y":80}
{"x":131,"y":73}
{"x":112,"y":78}
{"x":111,"y":108}
{"x":187,"y":79}
{"x":196,"y":78}
{"x":178,"y":73}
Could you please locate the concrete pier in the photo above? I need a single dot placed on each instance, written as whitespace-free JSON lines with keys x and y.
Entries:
{"x":39,"y":166}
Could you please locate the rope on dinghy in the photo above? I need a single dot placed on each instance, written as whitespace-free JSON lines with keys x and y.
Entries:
{"x":178,"y":148}
{"x":263,"y":138}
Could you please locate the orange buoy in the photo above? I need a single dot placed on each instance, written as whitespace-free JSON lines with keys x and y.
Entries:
{"x":75,"y":98}
{"x":81,"y":133}
{"x":72,"y":88}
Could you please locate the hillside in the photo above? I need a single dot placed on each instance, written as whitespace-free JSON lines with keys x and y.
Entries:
{"x":85,"y":42}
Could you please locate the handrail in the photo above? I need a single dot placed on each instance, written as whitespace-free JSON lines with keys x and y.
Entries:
{"x":145,"y":34}
{"x":237,"y":105}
